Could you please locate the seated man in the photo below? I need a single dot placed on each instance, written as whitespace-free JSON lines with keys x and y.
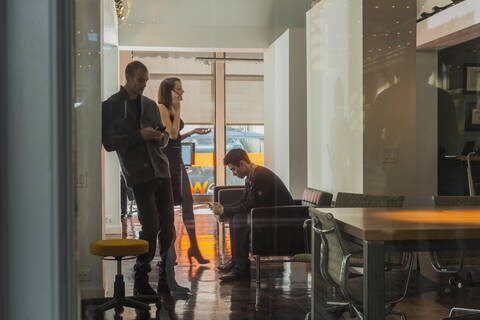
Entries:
{"x":263,"y":188}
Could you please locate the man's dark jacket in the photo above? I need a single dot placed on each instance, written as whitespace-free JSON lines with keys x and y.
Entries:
{"x":265,"y":189}
{"x":141,"y":160}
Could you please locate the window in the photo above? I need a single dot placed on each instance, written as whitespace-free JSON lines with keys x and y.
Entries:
{"x":248,"y":138}
{"x":198,"y":106}
{"x":243,"y":92}
{"x":244,"y":108}
{"x":202,"y":173}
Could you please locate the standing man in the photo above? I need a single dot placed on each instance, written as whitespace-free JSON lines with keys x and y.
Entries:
{"x":263,"y":188}
{"x":132,"y":126}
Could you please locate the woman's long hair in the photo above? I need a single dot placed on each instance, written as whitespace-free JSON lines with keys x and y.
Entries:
{"x":165,"y":91}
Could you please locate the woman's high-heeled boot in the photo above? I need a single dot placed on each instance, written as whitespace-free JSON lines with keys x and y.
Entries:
{"x":194,"y":251}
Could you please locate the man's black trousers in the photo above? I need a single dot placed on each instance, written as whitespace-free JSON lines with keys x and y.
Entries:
{"x":155,"y":212}
{"x":240,"y":241}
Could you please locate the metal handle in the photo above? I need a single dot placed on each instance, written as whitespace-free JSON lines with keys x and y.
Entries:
{"x":317,"y":230}
{"x":306,"y":222}
{"x":471,"y":188}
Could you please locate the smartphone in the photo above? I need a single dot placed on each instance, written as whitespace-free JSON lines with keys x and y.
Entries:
{"x":175,"y":96}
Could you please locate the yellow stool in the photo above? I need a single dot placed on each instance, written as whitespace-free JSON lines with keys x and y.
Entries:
{"x":120,"y":249}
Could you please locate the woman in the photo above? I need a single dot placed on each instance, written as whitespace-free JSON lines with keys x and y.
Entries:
{"x":169,"y":96}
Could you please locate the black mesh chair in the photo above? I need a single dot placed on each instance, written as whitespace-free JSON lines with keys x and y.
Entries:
{"x":466,"y":314}
{"x":358,"y":200}
{"x":455,"y":261}
{"x":335,"y":268}
{"x":225,"y":195}
{"x":282,"y":231}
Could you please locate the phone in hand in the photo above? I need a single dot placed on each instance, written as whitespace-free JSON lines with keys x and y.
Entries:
{"x":176,"y":97}
{"x":160,"y":128}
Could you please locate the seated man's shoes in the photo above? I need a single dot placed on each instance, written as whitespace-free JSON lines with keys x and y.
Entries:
{"x":181,"y":293}
{"x":235,"y":275}
{"x":227,"y":266}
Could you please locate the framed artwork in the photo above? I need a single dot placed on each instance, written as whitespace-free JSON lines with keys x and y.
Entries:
{"x":471,"y":79}
{"x":469,"y":126}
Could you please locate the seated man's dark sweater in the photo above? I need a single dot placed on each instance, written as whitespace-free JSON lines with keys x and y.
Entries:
{"x":263,"y":188}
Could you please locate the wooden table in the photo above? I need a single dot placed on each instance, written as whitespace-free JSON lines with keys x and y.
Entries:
{"x":394,"y":229}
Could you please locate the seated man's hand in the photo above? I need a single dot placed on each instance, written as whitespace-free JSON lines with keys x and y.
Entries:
{"x":217,"y":209}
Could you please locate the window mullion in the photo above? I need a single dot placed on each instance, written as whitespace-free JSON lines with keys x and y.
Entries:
{"x":219,"y":120}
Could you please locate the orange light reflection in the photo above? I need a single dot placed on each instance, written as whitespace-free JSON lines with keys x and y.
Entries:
{"x":434,"y":216}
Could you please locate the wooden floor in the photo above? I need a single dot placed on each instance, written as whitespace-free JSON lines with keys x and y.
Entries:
{"x":285,"y":292}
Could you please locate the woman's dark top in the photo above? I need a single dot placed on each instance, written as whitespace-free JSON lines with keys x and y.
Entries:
{"x":174,"y":154}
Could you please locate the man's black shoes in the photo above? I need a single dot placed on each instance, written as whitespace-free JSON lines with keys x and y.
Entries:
{"x":142,"y":288}
{"x":227,"y":266}
{"x":235,"y":275}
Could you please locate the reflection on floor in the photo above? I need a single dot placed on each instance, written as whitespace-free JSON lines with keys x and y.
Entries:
{"x":285,"y":292}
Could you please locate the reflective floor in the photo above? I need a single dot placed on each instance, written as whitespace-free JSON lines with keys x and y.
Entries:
{"x":284,"y":294}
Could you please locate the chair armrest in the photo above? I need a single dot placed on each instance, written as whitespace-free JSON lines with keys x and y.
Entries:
{"x":229,"y":196}
{"x":278,"y":230}
{"x":217,"y":189}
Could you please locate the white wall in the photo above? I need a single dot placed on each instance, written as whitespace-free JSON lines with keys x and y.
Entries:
{"x":285,"y":109}
{"x":276,"y":108}
{"x":87,"y":144}
{"x":366,"y":130}
{"x":110,"y":79}
{"x":210,"y":24}
{"x":389,"y":90}
{"x":427,"y":142}
{"x":455,"y":19}
{"x":335,"y":88}
{"x":298,"y":111}
{"x":111,"y":178}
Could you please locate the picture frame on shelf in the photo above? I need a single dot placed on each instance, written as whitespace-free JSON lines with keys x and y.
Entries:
{"x":469,"y":126}
{"x":471,"y":78}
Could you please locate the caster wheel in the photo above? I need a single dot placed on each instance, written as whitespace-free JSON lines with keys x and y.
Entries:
{"x":98,"y":315}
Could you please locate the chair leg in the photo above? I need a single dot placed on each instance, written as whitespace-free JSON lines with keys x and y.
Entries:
{"x":398,"y":313}
{"x":357,"y":312}
{"x":221,"y":240}
{"x":463,"y":310}
{"x":108,"y":305}
{"x":135,"y":304}
{"x":257,"y":297}
{"x":257,"y":264}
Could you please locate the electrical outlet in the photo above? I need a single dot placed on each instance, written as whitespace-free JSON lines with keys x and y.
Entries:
{"x":82,"y":179}
{"x":390,"y":155}
{"x":84,"y":275}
